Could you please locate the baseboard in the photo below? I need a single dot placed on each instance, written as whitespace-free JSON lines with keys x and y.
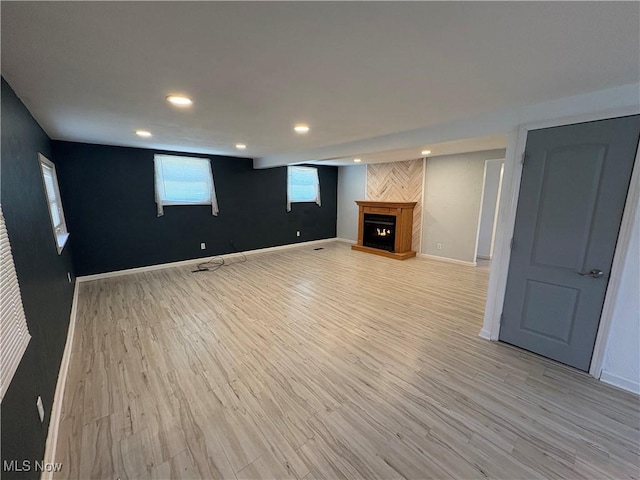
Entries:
{"x":483,"y":257}
{"x":346,"y":240}
{"x":56,"y":408}
{"x":485,"y":334}
{"x":193,"y":261}
{"x":623,"y":383}
{"x":448,"y":260}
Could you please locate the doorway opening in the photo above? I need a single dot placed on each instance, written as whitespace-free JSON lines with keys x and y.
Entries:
{"x":488,"y":218}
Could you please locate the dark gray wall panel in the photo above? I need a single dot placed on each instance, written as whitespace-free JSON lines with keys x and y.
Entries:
{"x":42,"y":273}
{"x":110,"y":209}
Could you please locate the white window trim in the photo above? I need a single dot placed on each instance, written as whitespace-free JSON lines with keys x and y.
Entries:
{"x":317,"y":200}
{"x":161,"y":204}
{"x":62,"y":236}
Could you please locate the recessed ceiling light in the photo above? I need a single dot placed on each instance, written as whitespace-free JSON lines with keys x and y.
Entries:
{"x":240,"y":146}
{"x":357,"y":160}
{"x":301,"y":128}
{"x":426,"y":152}
{"x":143,"y":133}
{"x":179,"y":100}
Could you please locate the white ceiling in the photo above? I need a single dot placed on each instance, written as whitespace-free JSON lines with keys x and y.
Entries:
{"x":96,"y":71}
{"x":490,"y":142}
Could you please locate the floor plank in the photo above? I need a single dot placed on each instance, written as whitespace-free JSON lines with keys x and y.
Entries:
{"x":311,"y":364}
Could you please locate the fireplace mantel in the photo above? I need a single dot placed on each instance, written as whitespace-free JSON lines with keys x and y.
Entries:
{"x":400,"y":213}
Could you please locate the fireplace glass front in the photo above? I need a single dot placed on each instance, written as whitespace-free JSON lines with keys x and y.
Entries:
{"x":379,"y":231}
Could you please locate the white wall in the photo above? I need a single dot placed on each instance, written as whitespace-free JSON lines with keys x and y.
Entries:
{"x":489,"y":199}
{"x":621,"y":365}
{"x":351,"y":187}
{"x":452,"y":196}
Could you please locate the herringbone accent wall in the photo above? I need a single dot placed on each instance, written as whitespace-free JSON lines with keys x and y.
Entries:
{"x":398,"y":182}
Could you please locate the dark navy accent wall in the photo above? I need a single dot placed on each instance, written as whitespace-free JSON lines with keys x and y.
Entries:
{"x":42,"y":274}
{"x":111,"y":212}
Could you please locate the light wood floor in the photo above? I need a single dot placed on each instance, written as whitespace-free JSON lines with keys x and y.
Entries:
{"x":324,"y":364}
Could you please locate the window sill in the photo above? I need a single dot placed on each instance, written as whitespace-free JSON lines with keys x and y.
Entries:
{"x":61,"y":241}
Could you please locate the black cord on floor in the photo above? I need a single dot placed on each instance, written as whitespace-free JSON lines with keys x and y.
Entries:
{"x":210,"y":265}
{"x":218,"y":261}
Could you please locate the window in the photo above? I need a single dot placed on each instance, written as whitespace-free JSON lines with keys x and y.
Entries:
{"x":14,"y":334}
{"x":184,"y":181}
{"x":302,"y":185}
{"x":60,"y":233}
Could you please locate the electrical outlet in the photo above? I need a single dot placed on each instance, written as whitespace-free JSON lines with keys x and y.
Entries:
{"x":297,"y":233}
{"x":40,"y":408}
{"x":439,"y":246}
{"x":69,"y":276}
{"x":203,"y":246}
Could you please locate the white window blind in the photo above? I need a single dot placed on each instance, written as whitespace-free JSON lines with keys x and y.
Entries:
{"x":303,"y":185}
{"x":184,"y":181}
{"x":14,"y":334}
{"x":54,"y":202}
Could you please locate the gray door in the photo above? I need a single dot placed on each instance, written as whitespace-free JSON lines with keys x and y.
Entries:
{"x":572,"y":195}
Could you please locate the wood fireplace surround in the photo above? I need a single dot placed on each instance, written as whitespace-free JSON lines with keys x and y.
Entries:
{"x":385,"y":228}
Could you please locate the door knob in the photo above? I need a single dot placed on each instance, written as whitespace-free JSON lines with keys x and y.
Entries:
{"x":595,"y":273}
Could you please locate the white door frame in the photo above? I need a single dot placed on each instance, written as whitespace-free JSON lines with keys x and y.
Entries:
{"x":516,"y":144}
{"x":484,"y":185}
{"x":495,"y":213}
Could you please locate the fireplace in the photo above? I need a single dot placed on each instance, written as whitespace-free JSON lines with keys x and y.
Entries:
{"x":379,"y":231}
{"x":385,"y":228}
